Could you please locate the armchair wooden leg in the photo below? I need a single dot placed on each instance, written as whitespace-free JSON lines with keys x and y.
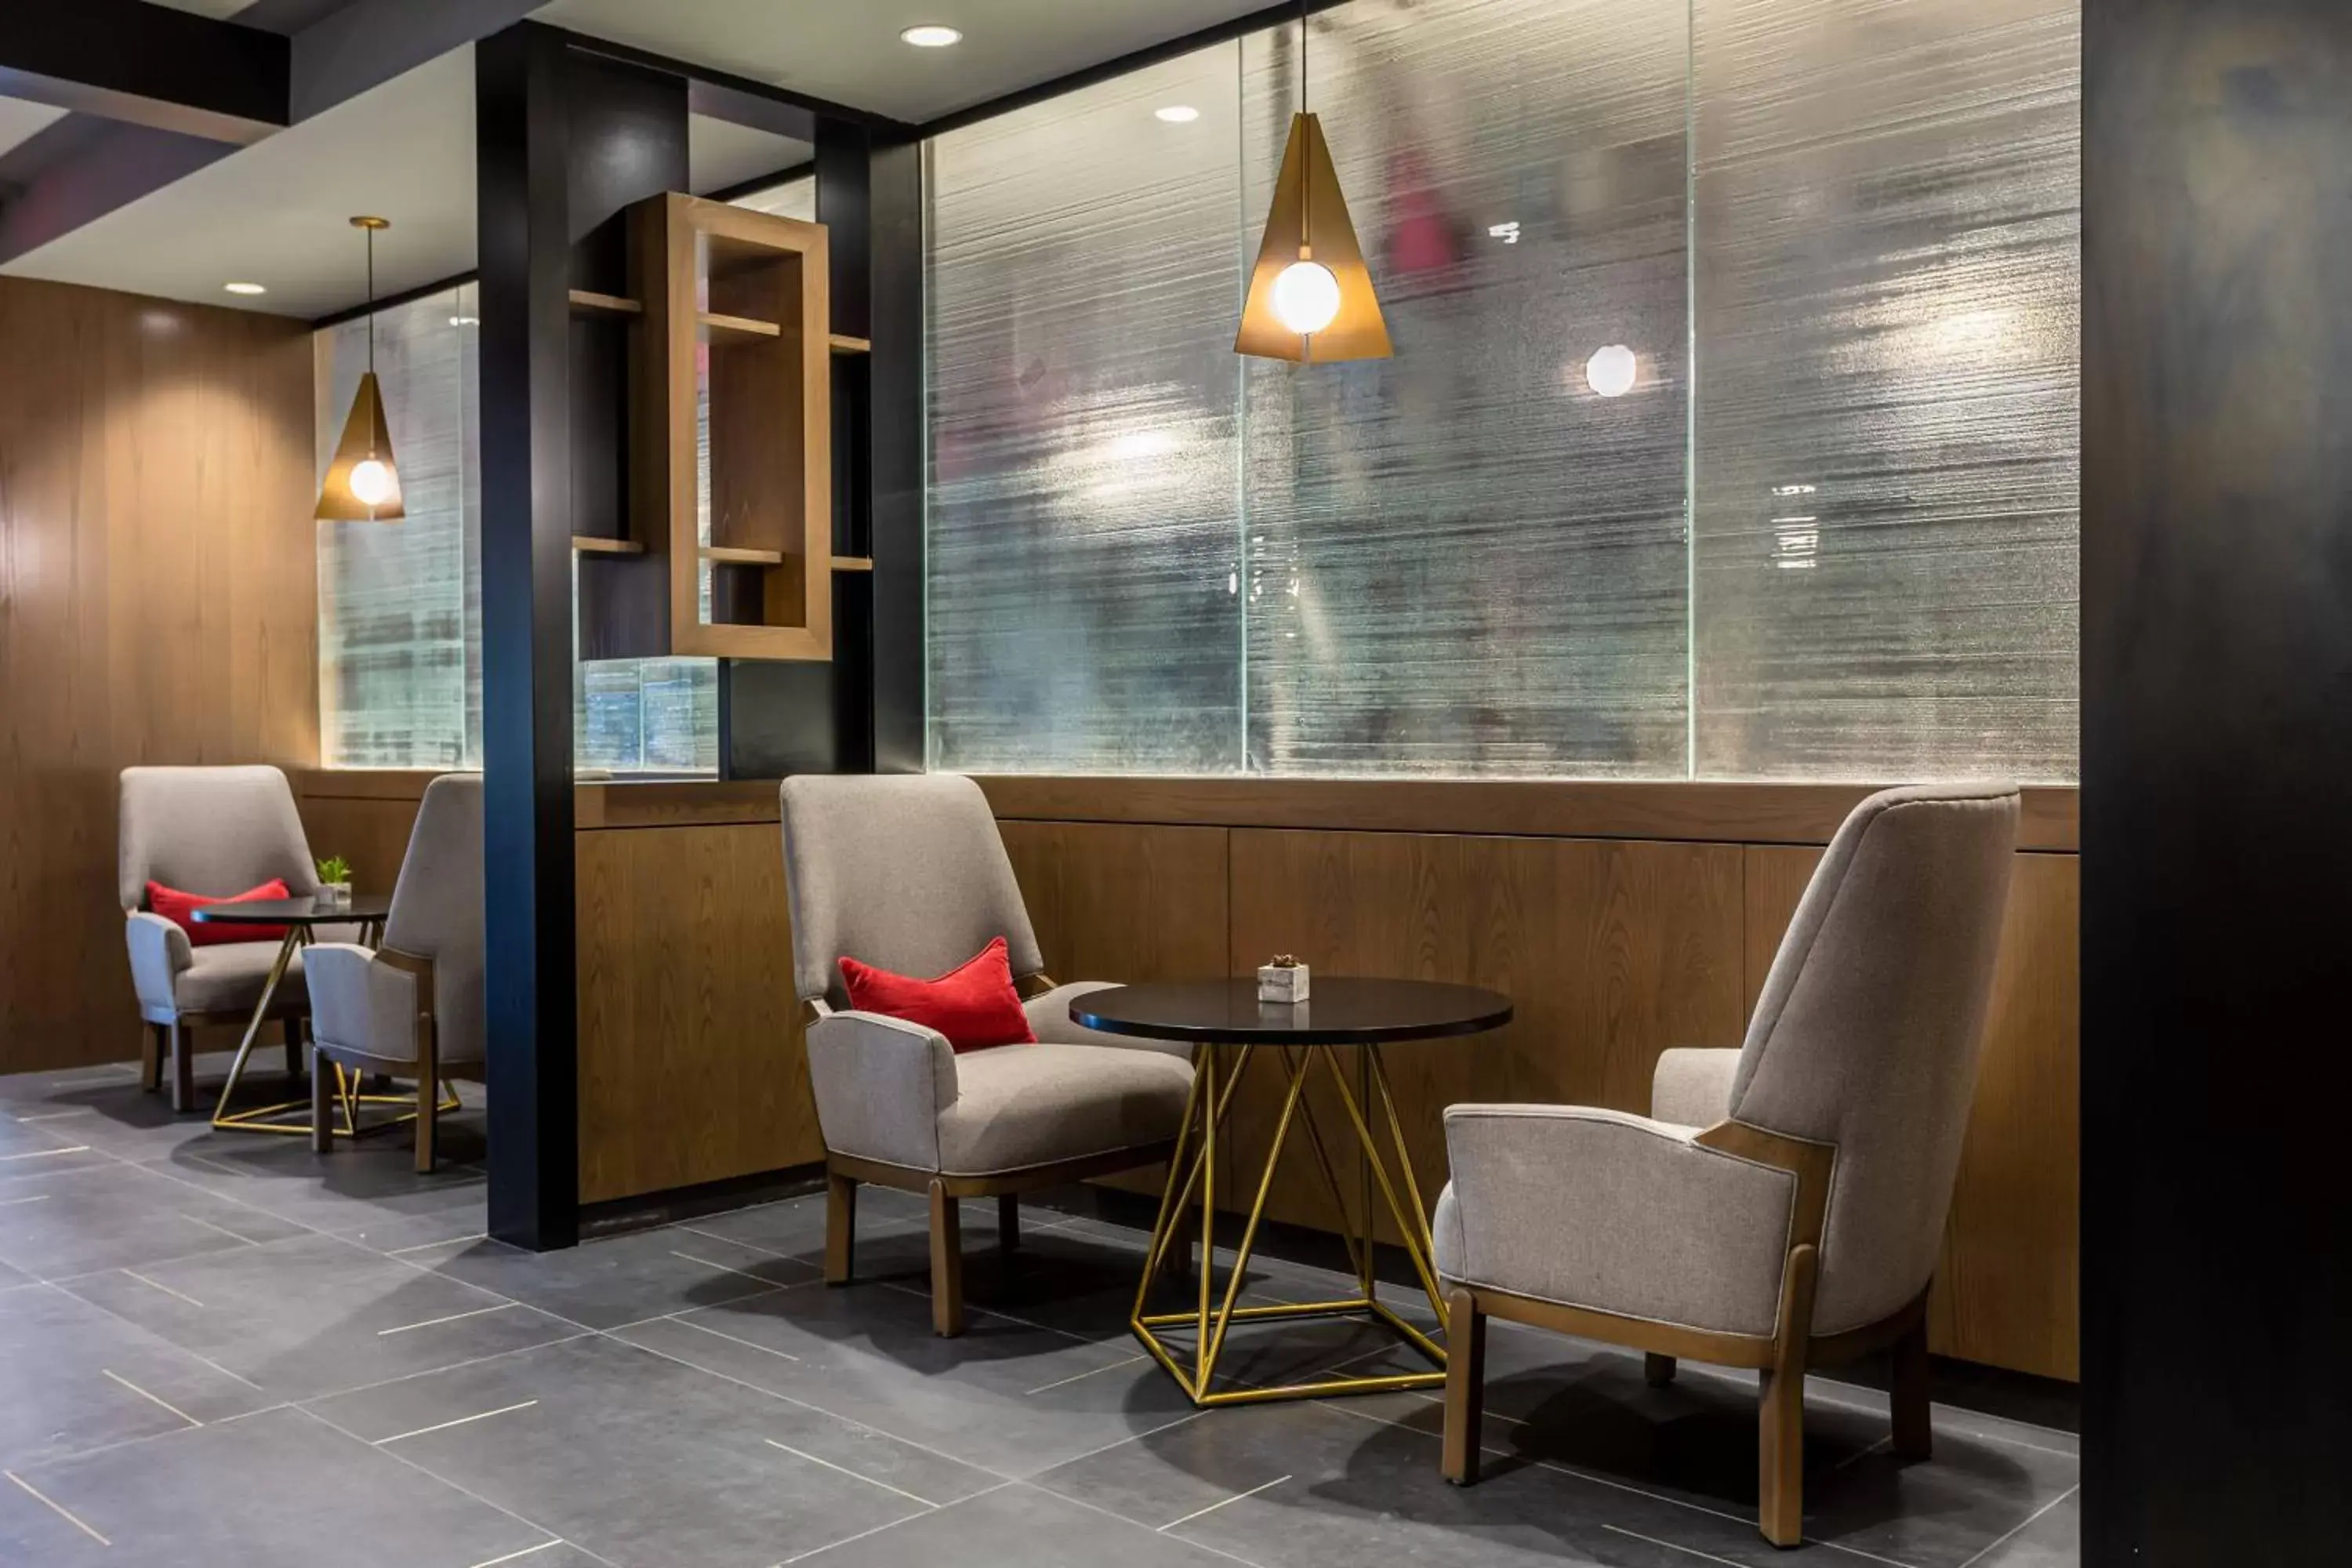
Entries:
{"x":151,"y":1059}
{"x":184,"y":1069}
{"x":292,"y":1029}
{"x":1657,"y":1371}
{"x":1008,"y":1222}
{"x":1466,"y":1386}
{"x":840,"y":1227}
{"x":1913,"y":1437}
{"x":428,"y":1105}
{"x":323,"y":1106}
{"x":1781,"y":1412}
{"x":947,"y":1263}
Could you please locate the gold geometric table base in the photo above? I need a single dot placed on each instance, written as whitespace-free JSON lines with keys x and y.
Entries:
{"x":348,"y":1098}
{"x":1204,"y":1111}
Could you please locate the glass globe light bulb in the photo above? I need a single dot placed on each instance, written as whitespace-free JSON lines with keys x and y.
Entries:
{"x":370,"y":482}
{"x":1612,"y":370}
{"x":1306,"y":297}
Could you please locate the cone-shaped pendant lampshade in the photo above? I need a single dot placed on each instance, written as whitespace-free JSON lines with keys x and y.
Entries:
{"x":354,"y":493}
{"x":362,"y":484}
{"x":1310,"y":253}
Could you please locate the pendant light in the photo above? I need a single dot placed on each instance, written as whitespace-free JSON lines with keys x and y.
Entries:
{"x":1310,"y":298}
{"x":363,"y":485}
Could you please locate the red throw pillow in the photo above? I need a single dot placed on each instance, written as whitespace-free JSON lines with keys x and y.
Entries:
{"x":181,"y":908}
{"x":973,"y":1005}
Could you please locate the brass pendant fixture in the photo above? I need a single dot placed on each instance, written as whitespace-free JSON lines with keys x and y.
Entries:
{"x":362,"y":484}
{"x":1310,"y":296}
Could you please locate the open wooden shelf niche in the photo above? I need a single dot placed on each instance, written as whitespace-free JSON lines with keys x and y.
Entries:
{"x":735,"y":310}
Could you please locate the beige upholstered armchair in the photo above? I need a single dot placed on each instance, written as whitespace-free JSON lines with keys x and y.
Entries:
{"x":1783,"y":1205}
{"x":415,"y":1007}
{"x":215,"y":831}
{"x":908,"y":873}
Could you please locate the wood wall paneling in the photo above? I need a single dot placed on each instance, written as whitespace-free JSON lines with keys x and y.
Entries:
{"x":2006,"y":1291}
{"x":691,"y":1063}
{"x":158,"y":591}
{"x":1611,"y":952}
{"x":1124,"y":903}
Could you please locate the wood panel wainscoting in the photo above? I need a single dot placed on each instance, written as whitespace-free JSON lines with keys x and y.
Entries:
{"x":1621,"y":918}
{"x":158,"y":604}
{"x":692,"y":1064}
{"x":1618,"y":924}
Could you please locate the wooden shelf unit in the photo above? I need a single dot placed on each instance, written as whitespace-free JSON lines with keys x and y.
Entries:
{"x":586,"y":302}
{"x":843,"y":343}
{"x":600,"y":544}
{"x":735,"y":318}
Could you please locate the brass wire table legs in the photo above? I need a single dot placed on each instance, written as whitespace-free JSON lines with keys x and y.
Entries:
{"x":348,"y":1095}
{"x":1193,"y":1166}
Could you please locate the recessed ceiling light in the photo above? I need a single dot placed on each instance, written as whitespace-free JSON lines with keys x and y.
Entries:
{"x":245,"y":287}
{"x":464,"y":320}
{"x":931,"y":36}
{"x":1177,"y":114}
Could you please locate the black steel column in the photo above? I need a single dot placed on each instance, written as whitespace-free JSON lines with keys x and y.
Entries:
{"x":895,"y":193}
{"x":522,"y":230}
{"x":2217,"y":761}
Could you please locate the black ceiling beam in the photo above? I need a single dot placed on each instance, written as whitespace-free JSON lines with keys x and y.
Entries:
{"x":366,"y":43}
{"x":148,"y":65}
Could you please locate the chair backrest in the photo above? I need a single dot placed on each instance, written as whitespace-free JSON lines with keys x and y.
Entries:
{"x":905,"y":871}
{"x":1870,"y":1024}
{"x":216,"y":831}
{"x":436,"y":910}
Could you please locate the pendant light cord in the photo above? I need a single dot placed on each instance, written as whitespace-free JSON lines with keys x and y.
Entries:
{"x":1306,"y":246}
{"x":371,"y":299}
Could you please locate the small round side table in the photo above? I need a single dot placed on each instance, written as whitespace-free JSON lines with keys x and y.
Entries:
{"x":1340,"y":1013}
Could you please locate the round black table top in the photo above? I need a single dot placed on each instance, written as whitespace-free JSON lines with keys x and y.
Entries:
{"x":303,"y":911}
{"x":1338,"y":1011}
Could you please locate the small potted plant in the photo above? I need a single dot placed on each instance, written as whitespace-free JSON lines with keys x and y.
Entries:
{"x":334,"y":883}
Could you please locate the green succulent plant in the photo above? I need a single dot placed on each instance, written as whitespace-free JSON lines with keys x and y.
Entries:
{"x":334,"y":869}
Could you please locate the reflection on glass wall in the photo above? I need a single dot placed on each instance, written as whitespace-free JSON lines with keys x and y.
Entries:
{"x":1888,"y":317}
{"x":1465,"y":560}
{"x":400,"y":667}
{"x":1476,"y":558}
{"x":1084,"y":467}
{"x":400,"y":626}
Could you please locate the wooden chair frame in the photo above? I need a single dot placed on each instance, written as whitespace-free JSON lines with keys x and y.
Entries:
{"x":845,"y":1172}
{"x":170,"y":1047}
{"x":426,"y":1068}
{"x":1781,"y":1356}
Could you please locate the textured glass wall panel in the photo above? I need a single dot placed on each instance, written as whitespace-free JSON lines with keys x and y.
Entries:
{"x":400,"y":604}
{"x":1461,"y":560}
{"x":1887,"y":312}
{"x":399,"y":631}
{"x":1083,"y":510}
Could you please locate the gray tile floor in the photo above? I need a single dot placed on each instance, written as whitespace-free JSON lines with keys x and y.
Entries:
{"x":220,"y":1349}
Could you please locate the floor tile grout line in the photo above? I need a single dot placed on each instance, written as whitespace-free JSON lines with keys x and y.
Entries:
{"x":452,"y":1318}
{"x":526,"y":1552}
{"x":429,"y":1245}
{"x":78,"y":1454}
{"x":152,"y":1285}
{"x":308,"y":1400}
{"x":57,"y":1508}
{"x":1347,"y":1407}
{"x":893,"y":1524}
{"x":683,"y":1320}
{"x":1107,"y":1513}
{"x":110,"y":1371}
{"x":461,"y":1490}
{"x":1203,"y":1512}
{"x":1669,"y":1545}
{"x":1064,"y":1381}
{"x":47,"y":1153}
{"x":2022,"y":1526}
{"x":445,"y":1426}
{"x":853,"y":1475}
{"x":731,"y":1269}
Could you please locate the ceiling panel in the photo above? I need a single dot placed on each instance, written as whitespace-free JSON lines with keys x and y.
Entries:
{"x":850,"y":53}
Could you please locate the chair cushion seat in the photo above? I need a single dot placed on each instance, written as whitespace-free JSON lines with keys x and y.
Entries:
{"x":1018,"y":1106}
{"x":228,"y":978}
